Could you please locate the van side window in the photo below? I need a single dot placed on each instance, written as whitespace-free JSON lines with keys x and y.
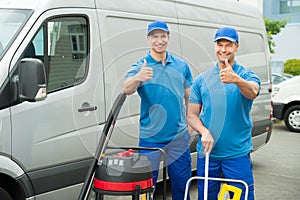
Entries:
{"x":66,"y":42}
{"x":37,"y":42}
{"x":67,"y":48}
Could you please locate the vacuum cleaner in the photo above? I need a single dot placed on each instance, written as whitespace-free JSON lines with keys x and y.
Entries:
{"x":123,"y":173}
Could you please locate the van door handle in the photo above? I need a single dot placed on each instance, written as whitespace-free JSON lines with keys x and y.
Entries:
{"x":87,"y":107}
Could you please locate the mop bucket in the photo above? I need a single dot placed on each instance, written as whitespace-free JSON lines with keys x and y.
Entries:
{"x":225,"y":188}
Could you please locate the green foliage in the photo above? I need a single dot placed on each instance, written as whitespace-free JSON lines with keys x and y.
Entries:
{"x":273,"y":27}
{"x":292,"y":66}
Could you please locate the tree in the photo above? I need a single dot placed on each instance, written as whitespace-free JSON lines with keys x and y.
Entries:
{"x":273,"y":27}
{"x":292,"y":66}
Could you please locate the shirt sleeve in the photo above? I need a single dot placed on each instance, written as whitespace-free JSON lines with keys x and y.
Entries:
{"x":251,"y":76}
{"x":195,"y":95}
{"x":188,"y":78}
{"x":134,"y":69}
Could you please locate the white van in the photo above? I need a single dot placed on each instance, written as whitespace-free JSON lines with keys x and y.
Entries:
{"x":76,"y":53}
{"x":286,"y":103}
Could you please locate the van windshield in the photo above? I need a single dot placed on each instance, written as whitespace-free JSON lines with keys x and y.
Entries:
{"x":11,"y":22}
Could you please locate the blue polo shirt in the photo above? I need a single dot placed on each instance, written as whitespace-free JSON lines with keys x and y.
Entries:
{"x":163,"y":112}
{"x":225,"y":112}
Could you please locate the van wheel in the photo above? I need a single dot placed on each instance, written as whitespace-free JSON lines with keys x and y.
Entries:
{"x":292,"y":118}
{"x":4,"y":195}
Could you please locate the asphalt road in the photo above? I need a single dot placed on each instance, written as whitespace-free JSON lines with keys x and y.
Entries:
{"x":277,"y":166}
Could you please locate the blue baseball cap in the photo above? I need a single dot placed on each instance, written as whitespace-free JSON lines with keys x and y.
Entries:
{"x":158,"y":25}
{"x":227,"y":33}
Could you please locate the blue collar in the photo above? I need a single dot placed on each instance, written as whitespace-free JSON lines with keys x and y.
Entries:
{"x":151,"y":61}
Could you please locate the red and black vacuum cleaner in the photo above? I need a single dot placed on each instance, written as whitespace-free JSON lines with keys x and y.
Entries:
{"x":125,"y":173}
{"x":122,"y":173}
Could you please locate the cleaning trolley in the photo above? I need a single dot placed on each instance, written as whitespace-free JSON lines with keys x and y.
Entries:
{"x":124,"y":172}
{"x":225,"y":188}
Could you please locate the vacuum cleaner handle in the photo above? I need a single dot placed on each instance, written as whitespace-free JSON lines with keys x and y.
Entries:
{"x":104,"y":138}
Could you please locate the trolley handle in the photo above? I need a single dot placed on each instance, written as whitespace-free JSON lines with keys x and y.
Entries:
{"x":206,"y":178}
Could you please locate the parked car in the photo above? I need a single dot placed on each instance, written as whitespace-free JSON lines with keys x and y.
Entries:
{"x":286,"y":103}
{"x":287,"y":76}
{"x":277,"y":78}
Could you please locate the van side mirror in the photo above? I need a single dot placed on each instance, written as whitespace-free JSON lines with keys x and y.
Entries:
{"x":32,"y":80}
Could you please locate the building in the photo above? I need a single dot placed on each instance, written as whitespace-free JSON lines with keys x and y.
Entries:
{"x":288,"y":40}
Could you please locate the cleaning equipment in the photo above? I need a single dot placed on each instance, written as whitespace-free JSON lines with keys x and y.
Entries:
{"x":224,"y":191}
{"x":123,"y":173}
{"x":146,"y":194}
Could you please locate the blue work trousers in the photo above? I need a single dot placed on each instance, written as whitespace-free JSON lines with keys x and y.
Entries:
{"x":237,"y":168}
{"x":178,"y":161}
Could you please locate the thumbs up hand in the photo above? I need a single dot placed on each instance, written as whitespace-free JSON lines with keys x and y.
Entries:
{"x":145,"y":73}
{"x":227,"y":75}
